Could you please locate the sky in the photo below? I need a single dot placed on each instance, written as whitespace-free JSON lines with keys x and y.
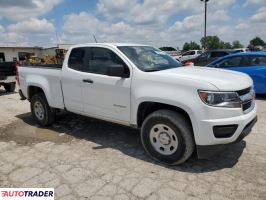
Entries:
{"x":155,"y":22}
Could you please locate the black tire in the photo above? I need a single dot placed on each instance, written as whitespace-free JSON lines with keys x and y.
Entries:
{"x":48,"y":114}
{"x":10,"y":87}
{"x":179,"y":126}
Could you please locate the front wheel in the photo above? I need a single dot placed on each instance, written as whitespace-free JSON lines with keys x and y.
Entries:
{"x":42,"y":113}
{"x":167,"y":137}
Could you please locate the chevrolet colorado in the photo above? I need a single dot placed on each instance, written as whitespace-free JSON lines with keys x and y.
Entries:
{"x":179,"y":109}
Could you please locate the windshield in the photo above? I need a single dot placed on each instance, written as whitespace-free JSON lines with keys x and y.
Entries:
{"x":149,"y":59}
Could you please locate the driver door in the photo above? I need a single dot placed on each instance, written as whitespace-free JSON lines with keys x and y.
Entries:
{"x":105,"y":96}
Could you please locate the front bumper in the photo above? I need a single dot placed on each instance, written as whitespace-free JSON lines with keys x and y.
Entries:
{"x":207,"y":151}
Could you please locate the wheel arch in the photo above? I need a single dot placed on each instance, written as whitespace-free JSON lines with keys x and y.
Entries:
{"x":147,"y":107}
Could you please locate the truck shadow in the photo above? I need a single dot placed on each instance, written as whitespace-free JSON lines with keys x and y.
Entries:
{"x":127,"y":140}
{"x":3,"y":92}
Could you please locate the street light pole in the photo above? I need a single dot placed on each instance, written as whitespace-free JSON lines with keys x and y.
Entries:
{"x":205,"y":22}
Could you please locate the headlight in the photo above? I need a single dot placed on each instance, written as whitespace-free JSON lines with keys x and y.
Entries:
{"x":220,"y":99}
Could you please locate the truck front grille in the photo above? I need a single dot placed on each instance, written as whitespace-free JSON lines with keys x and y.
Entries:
{"x":247,"y":98}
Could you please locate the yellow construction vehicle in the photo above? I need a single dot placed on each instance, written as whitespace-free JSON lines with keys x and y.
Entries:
{"x":33,"y":59}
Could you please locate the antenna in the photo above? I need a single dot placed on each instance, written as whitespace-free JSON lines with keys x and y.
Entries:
{"x":94,"y":38}
{"x":57,"y":38}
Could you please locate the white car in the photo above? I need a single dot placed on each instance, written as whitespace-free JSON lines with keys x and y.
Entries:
{"x":189,"y":55}
{"x":239,"y":50}
{"x":178,"y":109}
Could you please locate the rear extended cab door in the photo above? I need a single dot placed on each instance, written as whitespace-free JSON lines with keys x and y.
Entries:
{"x":72,"y":76}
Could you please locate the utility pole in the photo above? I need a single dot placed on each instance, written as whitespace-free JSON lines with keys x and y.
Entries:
{"x":205,"y":21}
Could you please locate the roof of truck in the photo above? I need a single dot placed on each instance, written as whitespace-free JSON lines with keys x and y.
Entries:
{"x":109,"y":44}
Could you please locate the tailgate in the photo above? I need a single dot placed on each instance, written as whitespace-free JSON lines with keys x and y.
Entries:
{"x":7,"y":69}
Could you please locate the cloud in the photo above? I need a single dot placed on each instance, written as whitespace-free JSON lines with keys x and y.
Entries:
{"x":242,"y":26}
{"x":79,"y":28}
{"x":2,"y":29}
{"x":13,"y":39}
{"x":260,"y":15}
{"x":259,"y":2}
{"x":17,"y":3}
{"x":32,"y":26}
{"x":23,"y":9}
{"x":153,"y":11}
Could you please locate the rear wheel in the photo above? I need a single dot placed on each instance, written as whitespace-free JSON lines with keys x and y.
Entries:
{"x":10,"y":87}
{"x":42,"y":113}
{"x":167,"y":137}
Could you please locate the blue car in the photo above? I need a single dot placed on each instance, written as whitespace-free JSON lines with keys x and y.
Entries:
{"x":251,"y":63}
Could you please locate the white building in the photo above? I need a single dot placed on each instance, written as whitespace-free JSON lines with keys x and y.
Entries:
{"x":19,"y":53}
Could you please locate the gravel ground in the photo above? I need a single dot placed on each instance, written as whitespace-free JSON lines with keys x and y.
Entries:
{"x":83,"y":158}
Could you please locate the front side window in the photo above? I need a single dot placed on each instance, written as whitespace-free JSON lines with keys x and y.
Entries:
{"x":149,"y":59}
{"x":192,"y":53}
{"x":101,"y":58}
{"x":76,"y":58}
{"x":257,"y":60}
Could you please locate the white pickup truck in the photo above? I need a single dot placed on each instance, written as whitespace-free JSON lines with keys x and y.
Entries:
{"x":179,"y":109}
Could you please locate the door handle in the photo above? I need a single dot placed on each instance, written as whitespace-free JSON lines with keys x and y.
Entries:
{"x":87,"y":81}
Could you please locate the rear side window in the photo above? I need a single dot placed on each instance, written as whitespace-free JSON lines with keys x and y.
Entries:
{"x":76,"y":59}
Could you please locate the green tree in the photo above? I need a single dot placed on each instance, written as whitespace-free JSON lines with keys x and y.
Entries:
{"x":237,"y":44}
{"x":167,"y":48}
{"x":191,"y":46}
{"x":210,"y":42}
{"x":225,"y":45}
{"x":257,"y":41}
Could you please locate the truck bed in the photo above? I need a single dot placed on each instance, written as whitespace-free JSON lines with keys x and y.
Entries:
{"x":47,"y":77}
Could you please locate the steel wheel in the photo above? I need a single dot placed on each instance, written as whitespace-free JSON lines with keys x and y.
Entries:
{"x":39,"y":110}
{"x":163,"y":139}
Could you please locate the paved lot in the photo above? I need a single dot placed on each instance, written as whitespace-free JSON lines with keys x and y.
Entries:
{"x":89,"y":159}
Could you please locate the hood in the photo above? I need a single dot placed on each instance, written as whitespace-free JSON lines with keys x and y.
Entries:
{"x":223,"y":80}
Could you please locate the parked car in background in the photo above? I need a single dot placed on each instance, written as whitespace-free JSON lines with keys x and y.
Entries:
{"x":8,"y":76}
{"x":241,"y":50}
{"x":174,"y":54}
{"x":251,"y":63}
{"x":208,"y":56}
{"x":189,"y":55}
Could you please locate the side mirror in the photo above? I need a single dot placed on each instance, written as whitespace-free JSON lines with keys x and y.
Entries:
{"x":116,"y":70}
